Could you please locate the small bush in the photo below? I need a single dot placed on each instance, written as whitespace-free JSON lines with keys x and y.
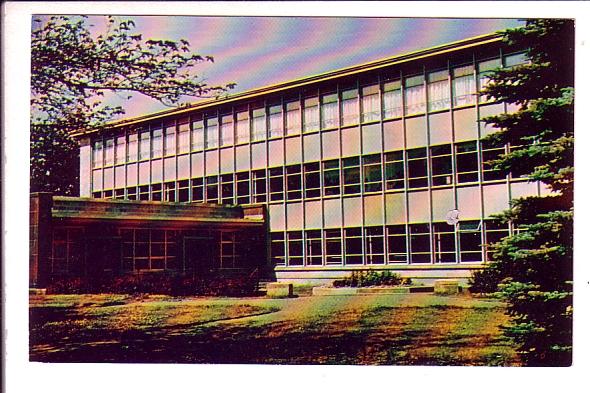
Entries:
{"x":371,"y":278}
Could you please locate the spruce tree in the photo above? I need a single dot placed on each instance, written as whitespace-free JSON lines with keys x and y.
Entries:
{"x":533,"y":268}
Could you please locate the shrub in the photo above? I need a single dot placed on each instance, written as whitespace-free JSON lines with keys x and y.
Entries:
{"x":371,"y":278}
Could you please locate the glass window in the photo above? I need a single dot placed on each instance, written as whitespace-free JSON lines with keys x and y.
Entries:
{"x":198,"y":133}
{"x":109,"y":152}
{"x":120,"y":154}
{"x":132,"y":193}
{"x":470,"y":241}
{"x":157,"y":192}
{"x":258,"y":124}
{"x":466,"y":156}
{"x":157,"y":143}
{"x":464,"y":89}
{"x":312,"y":179}
{"x":242,"y":127}
{"x":120,"y":193}
{"x":491,"y":151}
{"x":212,"y":188}
{"x":197,"y":190}
{"x":275,"y":179}
{"x":170,"y":191}
{"x":227,"y":189}
{"x":275,"y":121}
{"x":259,"y":186}
{"x":243,"y":188}
{"x":97,"y":154}
{"x":293,"y":182}
{"x":420,"y":243}
{"x":392,"y":100}
{"x":372,"y":178}
{"x":371,"y":110}
{"x":293,"y":118}
{"x":329,"y":111}
{"x":444,"y":242}
{"x":277,"y":248}
{"x":108,"y":194}
{"x":211,"y":132}
{"x":495,"y":232}
{"x":352,"y":175}
{"x":442,"y":165}
{"x":228,"y":250}
{"x":333,"y":246}
{"x":417,"y":168}
{"x":295,"y":248}
{"x":313,"y":246}
{"x":331,"y":177}
{"x":438,"y":91}
{"x":374,"y":246}
{"x":485,"y":69}
{"x":515,"y":59}
{"x":183,"y":138}
{"x":132,"y":147}
{"x":394,"y":170}
{"x":227,"y":130}
{"x":397,"y":249}
{"x":311,"y":115}
{"x":170,"y":141}
{"x":354,"y":246}
{"x":144,"y":145}
{"x":414,"y":95}
{"x":144,"y":193}
{"x":350,"y":108}
{"x":183,"y":187}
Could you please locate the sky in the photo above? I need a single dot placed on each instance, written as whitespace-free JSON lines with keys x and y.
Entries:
{"x":259,"y":51}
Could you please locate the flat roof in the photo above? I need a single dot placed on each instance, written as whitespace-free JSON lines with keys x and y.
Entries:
{"x":334,"y":74}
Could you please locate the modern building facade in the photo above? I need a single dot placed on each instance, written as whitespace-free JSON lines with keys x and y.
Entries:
{"x":377,"y":166}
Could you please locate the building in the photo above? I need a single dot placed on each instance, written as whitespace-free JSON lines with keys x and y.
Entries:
{"x":378,"y":166}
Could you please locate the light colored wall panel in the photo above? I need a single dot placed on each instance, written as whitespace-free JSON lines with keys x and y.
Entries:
{"x":197,"y":165}
{"x":131,"y":175}
{"x":393,"y":135}
{"x":332,"y":213}
{"x":294,"y":216}
{"x":523,"y":189}
{"x":144,"y":172}
{"x":374,"y":210}
{"x":353,"y":214}
{"x":157,"y":171}
{"x":489,"y":110}
{"x":293,"y":150}
{"x":259,"y":155}
{"x":395,"y":208}
{"x":465,"y":124}
{"x":440,"y":128}
{"x":313,"y":214}
{"x":311,"y":148}
{"x":242,"y":158}
{"x":545,"y":190}
{"x":419,"y":206}
{"x":495,"y":198}
{"x":97,"y":180}
{"x":276,"y":217}
{"x":226,"y":160}
{"x":170,"y":169}
{"x":275,"y":153}
{"x":469,"y":203}
{"x":211,"y":162}
{"x":371,"y":138}
{"x":330,"y":144}
{"x":183,"y":167}
{"x":442,"y":202}
{"x":119,"y":176}
{"x":416,"y":131}
{"x":85,"y":169}
{"x":351,"y":141}
{"x":109,"y":178}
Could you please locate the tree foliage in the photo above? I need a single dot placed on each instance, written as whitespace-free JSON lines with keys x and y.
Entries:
{"x":532,"y":268}
{"x":71,"y":70}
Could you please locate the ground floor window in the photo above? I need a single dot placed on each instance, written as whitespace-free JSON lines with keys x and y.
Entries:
{"x":67,"y":250}
{"x":354,"y":246}
{"x":374,"y":247}
{"x":313,"y":246}
{"x":333,"y":246}
{"x":295,"y":248}
{"x":149,"y":249}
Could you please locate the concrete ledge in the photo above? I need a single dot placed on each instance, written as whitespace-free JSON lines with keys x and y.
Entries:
{"x":446,"y":287}
{"x":279,"y":289}
{"x":37,"y":291}
{"x":329,"y":291}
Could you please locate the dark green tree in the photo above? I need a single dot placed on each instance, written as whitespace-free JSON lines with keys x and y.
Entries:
{"x":72,"y":69}
{"x":533,"y":268}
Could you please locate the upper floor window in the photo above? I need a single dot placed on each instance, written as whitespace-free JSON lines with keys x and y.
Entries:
{"x":275,"y":121}
{"x":97,"y":154}
{"x":293,"y":182}
{"x":515,"y":59}
{"x":311,"y":115}
{"x":312,"y":179}
{"x":372,"y":174}
{"x":329,"y":111}
{"x":352,"y":175}
{"x":183,"y":138}
{"x":170,"y":141}
{"x":464,"y":89}
{"x":438,"y":91}
{"x":394,"y":170}
{"x":157,"y":143}
{"x":120,"y":154}
{"x":242,"y":127}
{"x":198,"y":132}
{"x":258,"y":124}
{"x":414,"y":95}
{"x":350,"y":108}
{"x":467,"y":166}
{"x":144,"y":145}
{"x":227,"y":130}
{"x":392,"y":100}
{"x":417,"y":168}
{"x":293,"y":118}
{"x":371,"y":110}
{"x":331,"y":177}
{"x":211,"y":132}
{"x":132,"y":147}
{"x":109,"y":152}
{"x":484,"y":69}
{"x":442,"y":165}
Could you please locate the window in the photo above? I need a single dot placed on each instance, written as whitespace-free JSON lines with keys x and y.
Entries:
{"x":333,"y":246}
{"x":228,"y":254}
{"x":466,"y":156}
{"x":144,"y":193}
{"x":293,"y":118}
{"x":417,"y":168}
{"x":442,"y":165}
{"x":495,"y":232}
{"x":108,"y":194}
{"x":354,"y":246}
{"x":351,"y":175}
{"x":275,"y":121}
{"x":491,"y":151}
{"x":277,"y":248}
{"x":149,"y":249}
{"x":275,"y":180}
{"x":183,"y":186}
{"x":259,"y":186}
{"x":444,"y":242}
{"x":242,"y":127}
{"x":464,"y":89}
{"x":374,"y":248}
{"x":67,"y":250}
{"x":97,"y":194}
{"x":156,"y":192}
{"x":211,"y":132}
{"x":183,"y":138}
{"x":258,"y":124}
{"x":329,"y":111}
{"x":243,"y":188}
{"x":170,"y":191}
{"x":371,"y":110}
{"x":197,"y":190}
{"x":295,"y":248}
{"x":394,"y":170}
{"x":515,"y":59}
{"x":350,"y":109}
{"x":414,"y":95}
{"x":132,"y":193}
{"x":293,"y":182}
{"x":331,"y":178}
{"x":227,"y":189}
{"x":120,"y":154}
{"x":211,"y":188}
{"x":170,"y":141}
{"x":470,"y":241}
{"x":197,"y":136}
{"x":97,"y":154}
{"x":484,"y":69}
{"x":109,"y":152}
{"x":311,"y":115}
{"x":397,"y":249}
{"x":157,"y":143}
{"x":420,"y":243}
{"x":392,"y":100}
{"x":132,"y":147}
{"x":144,"y":145}
{"x":313,"y":246}
{"x":119,"y":193}
{"x":372,"y":178}
{"x":312,"y":179}
{"x":438,"y":91}
{"x":227,"y":130}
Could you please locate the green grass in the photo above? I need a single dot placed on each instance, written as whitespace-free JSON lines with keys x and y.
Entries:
{"x":371,"y":329}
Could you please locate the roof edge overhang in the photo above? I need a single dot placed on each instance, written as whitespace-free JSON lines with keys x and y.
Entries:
{"x":253,"y":93}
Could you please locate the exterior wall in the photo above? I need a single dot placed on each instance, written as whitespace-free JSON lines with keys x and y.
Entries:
{"x":40,"y":237}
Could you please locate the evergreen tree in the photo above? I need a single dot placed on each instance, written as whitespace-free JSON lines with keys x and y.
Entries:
{"x":533,"y":268}
{"x":72,"y":69}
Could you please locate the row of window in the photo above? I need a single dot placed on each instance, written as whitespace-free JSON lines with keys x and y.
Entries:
{"x":440,"y":165}
{"x":433,"y":91}
{"x":438,"y":242}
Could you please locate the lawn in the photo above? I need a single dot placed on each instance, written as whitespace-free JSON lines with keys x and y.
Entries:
{"x":401,"y":329}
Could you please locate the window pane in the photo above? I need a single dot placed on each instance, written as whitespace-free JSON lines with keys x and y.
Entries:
{"x":258,"y":124}
{"x":329,"y":111}
{"x":371,"y":110}
{"x":293,"y":118}
{"x":438,"y":91}
{"x":414,"y":95}
{"x":350,"y":109}
{"x":157,"y":143}
{"x":211,"y":132}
